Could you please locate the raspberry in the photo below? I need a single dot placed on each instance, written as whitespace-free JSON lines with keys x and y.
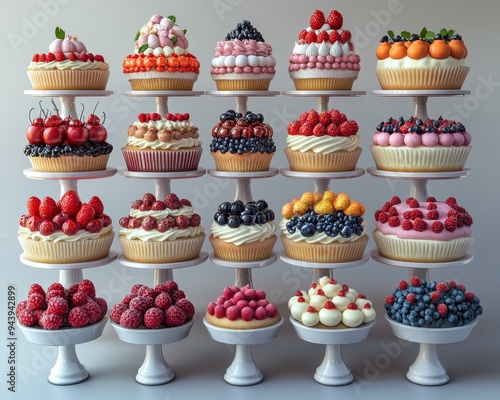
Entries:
{"x":419,"y":225}
{"x":451,"y":201}
{"x":261,"y":294}
{"x":135,"y":288}
{"x":306,"y":129}
{"x":348,"y":128}
{"x":251,"y":294}
{"x":185,"y":203}
{"x":395,"y":200}
{"x":403,"y":285}
{"x":195,"y":220}
{"x":431,"y":206}
{"x":174,"y":316}
{"x":79,"y":299}
{"x":136,"y":204}
{"x":260,"y":313}
{"x":414,"y":214}
{"x":94,"y":226}
{"x":433,"y":214}
{"x":332,"y":130}
{"x":176,"y":295}
{"x":386,"y":207}
{"x":36,"y":302}
{"x":415,"y":281}
{"x":383,"y":217}
{"x":393,"y":211}
{"x":232,"y":313}
{"x":117,"y":311}
{"x":131,"y":318}
{"x":163,"y":301}
{"x":153,"y":318}
{"x":247,"y":313}
{"x":442,"y":287}
{"x":166,"y":223}
{"x":58,"y":306}
{"x":171,"y":285}
{"x":450,"y":224}
{"x":431,"y":199}
{"x":186,"y":306}
{"x":54,"y":293}
{"x":334,"y":36}
{"x":322,"y":37}
{"x":237,"y":297}
{"x":390,"y":300}
{"x":312,"y":117}
{"x":437,"y":227}
{"x":139,"y":303}
{"x":73,"y":289}
{"x":319,"y":129}
{"x":393,"y":221}
{"x":103,"y":306}
{"x":36,"y":288}
{"x":47,"y":228}
{"x":409,"y":199}
{"x":172,"y":201}
{"x":377,"y":214}
{"x":27,"y":318}
{"x":149,"y":223}
{"x":182,"y":222}
{"x":435,"y":296}
{"x":96,"y":203}
{"x":325,"y":118}
{"x":93,"y":310}
{"x":442,"y":309}
{"x":219,"y":311}
{"x":303,"y":118}
{"x":293,"y":128}
{"x":211,"y":308}
{"x":461,"y":287}
{"x":407,"y":214}
{"x":410,"y":297}
{"x":21,"y":306}
{"x":345,"y":36}
{"x":145,"y":291}
{"x":50,"y":321}
{"x":148,"y":198}
{"x":271,"y":310}
{"x":78,"y":317}
{"x":469,"y":296}
{"x":87,"y":287}
{"x":158,"y":289}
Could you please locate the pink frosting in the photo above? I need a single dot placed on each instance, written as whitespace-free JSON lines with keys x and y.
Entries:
{"x":301,"y":61}
{"x":238,"y":47}
{"x":245,"y":70}
{"x":428,"y":139}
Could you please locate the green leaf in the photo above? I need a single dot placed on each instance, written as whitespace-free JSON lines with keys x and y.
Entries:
{"x":143,"y":48}
{"x":172,"y":17}
{"x":60,"y":34}
{"x":430,"y":36}
{"x":174,"y":40}
{"x":137,"y":35}
{"x":391,"y":34}
{"x":185,"y":30}
{"x":405,"y":34}
{"x":451,"y":32}
{"x":423,"y":32}
{"x":443,"y":32}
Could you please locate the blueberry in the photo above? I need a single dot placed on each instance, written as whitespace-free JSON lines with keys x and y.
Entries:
{"x":224,"y":207}
{"x":237,"y":207}
{"x":222,"y":219}
{"x":260,"y":217}
{"x":308,"y":229}
{"x":346,"y":231}
{"x":234,"y":221}
{"x":294,"y":219}
{"x":270,"y":215}
{"x":248,"y":219}
{"x":250,"y":209}
{"x":262,"y":205}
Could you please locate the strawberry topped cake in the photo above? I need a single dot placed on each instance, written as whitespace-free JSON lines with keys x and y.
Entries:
{"x":243,"y":61}
{"x":424,"y":61}
{"x":65,"y":231}
{"x":323,"y":142}
{"x":323,"y":57}
{"x":157,"y":143}
{"x":161,"y":231}
{"x":68,"y":66}
{"x":425,"y":231}
{"x":413,"y":145}
{"x":161,"y":59}
{"x":328,"y":304}
{"x":242,"y":308}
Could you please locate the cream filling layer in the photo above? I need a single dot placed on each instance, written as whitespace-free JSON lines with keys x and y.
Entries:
{"x":322,"y":144}
{"x":244,"y":233}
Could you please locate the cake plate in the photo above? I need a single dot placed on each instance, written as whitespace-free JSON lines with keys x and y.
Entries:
{"x":427,"y":369}
{"x":161,"y":97}
{"x":420,"y":98}
{"x":332,"y":371}
{"x":323,"y":95}
{"x":67,"y":370}
{"x":154,"y":370}
{"x":243,"y":371}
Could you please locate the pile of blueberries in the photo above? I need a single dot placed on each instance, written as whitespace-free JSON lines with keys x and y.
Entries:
{"x":88,"y":149}
{"x":414,"y":305}
{"x":420,"y":127}
{"x":332,"y":225}
{"x":238,"y":213}
{"x":245,"y":30}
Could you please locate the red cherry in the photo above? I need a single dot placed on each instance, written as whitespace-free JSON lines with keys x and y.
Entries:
{"x":98,"y":134}
{"x":320,"y":292}
{"x":298,"y":293}
{"x":341,"y":293}
{"x":311,"y":309}
{"x":345,"y":288}
{"x":329,"y":305}
{"x":54,"y":135}
{"x":169,"y":116}
{"x":313,"y":285}
{"x":361,"y":296}
{"x":352,"y":306}
{"x":34,"y":133}
{"x":367,"y":305}
{"x":235,"y":133}
{"x":76,"y":133}
{"x":301,"y":300}
{"x":332,"y":281}
{"x":186,"y":116}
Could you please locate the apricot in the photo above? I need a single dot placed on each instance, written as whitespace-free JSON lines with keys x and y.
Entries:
{"x":354,"y":209}
{"x":397,"y":51}
{"x":439,"y":49}
{"x":307,"y":198}
{"x":417,"y":50}
{"x":458,"y":49}
{"x":342,"y":201}
{"x":383,"y":50}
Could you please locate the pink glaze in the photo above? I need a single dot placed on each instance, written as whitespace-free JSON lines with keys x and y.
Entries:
{"x":397,"y":139}
{"x":413,"y":140}
{"x":383,"y":139}
{"x":345,"y":62}
{"x":459,"y":139}
{"x":242,"y":47}
{"x":430,"y":139}
{"x":446,"y":140}
{"x":467,"y":138}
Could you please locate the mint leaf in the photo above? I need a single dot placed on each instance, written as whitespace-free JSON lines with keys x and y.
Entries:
{"x":174,"y":40}
{"x":451,"y":32}
{"x":172,"y":17}
{"x":423,"y":32}
{"x":443,"y":32}
{"x":405,"y":35}
{"x":60,"y":34}
{"x":137,"y":36}
{"x":391,"y":34}
{"x":430,"y":36}
{"x":143,"y":48}
{"x":185,"y":30}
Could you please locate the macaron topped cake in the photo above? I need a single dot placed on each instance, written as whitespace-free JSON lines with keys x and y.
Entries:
{"x":323,"y":56}
{"x":243,"y":60}
{"x":68,"y":66}
{"x":161,"y":59}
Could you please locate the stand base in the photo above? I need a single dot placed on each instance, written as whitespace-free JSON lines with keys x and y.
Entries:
{"x":67,"y":370}
{"x":243,"y":371}
{"x":333,"y":371}
{"x":427,"y":370}
{"x":155,"y":370}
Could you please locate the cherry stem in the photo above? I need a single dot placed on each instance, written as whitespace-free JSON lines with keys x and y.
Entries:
{"x":55,"y":107}
{"x":104,"y":114}
{"x":83,"y":108}
{"x":30,"y":114}
{"x":41,"y":109}
{"x":93,"y":112}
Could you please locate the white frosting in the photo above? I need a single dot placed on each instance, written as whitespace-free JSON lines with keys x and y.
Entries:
{"x":184,"y":210}
{"x":320,"y":238}
{"x":157,"y":145}
{"x":67,"y":65}
{"x":244,"y":233}
{"x":166,"y":51}
{"x":242,"y":61}
{"x":426,"y":62}
{"x":341,"y":302}
{"x":323,"y":49}
{"x":310,"y":318}
{"x":166,"y":124}
{"x":157,"y":236}
{"x":323,"y":144}
{"x":318,"y":301}
{"x":352,"y":318}
{"x":330,"y":317}
{"x":297,"y":309}
{"x":60,"y":236}
{"x":369,"y":314}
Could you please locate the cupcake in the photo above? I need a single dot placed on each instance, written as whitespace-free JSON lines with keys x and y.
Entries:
{"x":161,"y":231}
{"x":67,"y":145}
{"x":323,"y":57}
{"x":158,"y":143}
{"x":66,"y":231}
{"x":68,"y":66}
{"x":161,"y":59}
{"x":413,"y":145}
{"x":243,"y":232}
{"x":323,"y":142}
{"x":323,"y":228}
{"x":328,"y":304}
{"x":242,"y":143}
{"x":423,"y":232}
{"x":243,"y":61}
{"x":427,"y":61}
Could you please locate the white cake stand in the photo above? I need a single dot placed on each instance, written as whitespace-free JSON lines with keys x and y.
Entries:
{"x":161,"y":97}
{"x":154,"y":370}
{"x":323,"y":95}
{"x":242,"y":96}
{"x":67,"y":370}
{"x":333,"y":371}
{"x":427,"y":369}
{"x":243,"y":371}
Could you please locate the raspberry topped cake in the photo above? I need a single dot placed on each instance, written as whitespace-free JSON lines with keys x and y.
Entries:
{"x":242,"y":143}
{"x":243,"y":61}
{"x":145,"y":307}
{"x":432,"y":304}
{"x":323,"y":57}
{"x":161,"y":231}
{"x":65,"y":231}
{"x":67,"y":145}
{"x":161,"y":59}
{"x":328,"y":304}
{"x":425,"y":231}
{"x":157,"y":143}
{"x":68,"y":66}
{"x":243,"y":232}
{"x":323,"y":142}
{"x":413,"y":145}
{"x":324,"y":228}
{"x":242,"y":308}
{"x":422,"y":61}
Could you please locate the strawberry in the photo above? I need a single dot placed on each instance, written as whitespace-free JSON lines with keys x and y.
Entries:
{"x":348,"y":128}
{"x":96,"y":203}
{"x":33,"y":205}
{"x":325,"y":118}
{"x":70,"y":203}
{"x":322,"y":37}
{"x":335,"y":19}
{"x":317,"y":20}
{"x":319,"y":129}
{"x":94,"y":226}
{"x":85,"y":214}
{"x":50,"y":57}
{"x":142,"y":117}
{"x":313,"y":117}
{"x":60,"y":56}
{"x":337,"y":117}
{"x":303,"y":117}
{"x":106,"y":219}
{"x":332,"y":130}
{"x":48,"y":208}
{"x":33,"y":223}
{"x":302,"y":34}
{"x":70,"y":227}
{"x":311,"y":37}
{"x":306,"y":129}
{"x":334,"y":37}
{"x":293,"y":128}
{"x":345,"y":36}
{"x":83,"y":57}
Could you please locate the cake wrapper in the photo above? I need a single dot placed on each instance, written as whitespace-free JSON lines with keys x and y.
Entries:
{"x":310,"y":161}
{"x":89,"y":79}
{"x":255,"y":251}
{"x":63,"y":252}
{"x":69,"y":163}
{"x":424,"y":251}
{"x":162,"y":160}
{"x":420,"y":159}
{"x":168,"y":251}
{"x":325,"y":253}
{"x":242,"y":84}
{"x":324,"y":83}
{"x":437,"y":78}
{"x":162,"y":84}
{"x":246,"y":162}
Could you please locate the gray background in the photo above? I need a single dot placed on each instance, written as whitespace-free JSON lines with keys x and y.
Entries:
{"x":287,"y":363}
